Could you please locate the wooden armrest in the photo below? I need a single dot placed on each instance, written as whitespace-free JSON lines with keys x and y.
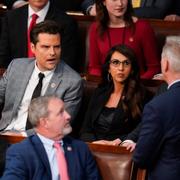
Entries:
{"x":12,"y":138}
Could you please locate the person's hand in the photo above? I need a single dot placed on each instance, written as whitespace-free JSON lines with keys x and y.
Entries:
{"x":92,"y":11}
{"x":172,"y":17}
{"x":158,"y":76}
{"x":129,"y":145}
{"x":135,"y":19}
{"x":19,"y":4}
{"x":115,"y":142}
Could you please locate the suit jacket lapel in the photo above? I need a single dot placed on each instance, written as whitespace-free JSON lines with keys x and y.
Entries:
{"x":55,"y":80}
{"x":23,"y":19}
{"x":40,"y":150}
{"x":24,"y":79}
{"x":101,"y":101}
{"x":175,"y":85}
{"x":50,"y":13}
{"x":70,"y":158}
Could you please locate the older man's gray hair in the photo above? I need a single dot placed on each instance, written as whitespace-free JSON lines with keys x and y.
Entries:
{"x":38,"y":108}
{"x":171,"y":52}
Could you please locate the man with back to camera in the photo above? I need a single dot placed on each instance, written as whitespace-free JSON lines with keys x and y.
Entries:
{"x":158,"y":146}
{"x":37,"y":156}
{"x":15,"y":25}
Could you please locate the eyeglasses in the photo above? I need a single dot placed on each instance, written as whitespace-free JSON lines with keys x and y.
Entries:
{"x":116,"y":63}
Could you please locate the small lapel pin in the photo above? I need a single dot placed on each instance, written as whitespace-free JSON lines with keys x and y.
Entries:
{"x":69,"y":148}
{"x":53,"y":85}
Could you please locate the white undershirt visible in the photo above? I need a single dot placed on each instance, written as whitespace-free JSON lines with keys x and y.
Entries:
{"x":19,"y":122}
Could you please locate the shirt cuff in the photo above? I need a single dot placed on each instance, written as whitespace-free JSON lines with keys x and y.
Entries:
{"x":127,"y":141}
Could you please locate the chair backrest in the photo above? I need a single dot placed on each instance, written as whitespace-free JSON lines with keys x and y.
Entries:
{"x":115,"y":163}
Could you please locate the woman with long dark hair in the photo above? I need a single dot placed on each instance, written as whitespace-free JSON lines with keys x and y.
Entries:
{"x":114,"y":112}
{"x":116,"y":25}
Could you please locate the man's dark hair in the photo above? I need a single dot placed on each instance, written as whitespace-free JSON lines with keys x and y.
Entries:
{"x":48,"y":26}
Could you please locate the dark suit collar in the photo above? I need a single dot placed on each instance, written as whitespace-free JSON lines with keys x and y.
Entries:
{"x":175,"y":85}
{"x":22,"y":16}
{"x":69,"y":150}
{"x":102,"y":97}
{"x":51,"y":12}
{"x":40,"y":150}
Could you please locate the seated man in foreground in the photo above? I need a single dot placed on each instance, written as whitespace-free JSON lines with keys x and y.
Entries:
{"x":37,"y":157}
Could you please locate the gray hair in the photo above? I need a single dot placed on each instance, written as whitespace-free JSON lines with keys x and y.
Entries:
{"x":38,"y":108}
{"x":171,"y":51}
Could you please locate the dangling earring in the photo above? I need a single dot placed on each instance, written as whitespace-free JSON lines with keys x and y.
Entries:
{"x":109,"y":78}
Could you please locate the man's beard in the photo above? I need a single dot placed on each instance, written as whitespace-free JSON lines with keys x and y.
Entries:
{"x":67,"y":130}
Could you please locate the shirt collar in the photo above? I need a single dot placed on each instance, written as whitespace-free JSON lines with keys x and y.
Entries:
{"x":46,"y":73}
{"x":42,"y":13}
{"x":47,"y":141}
{"x":178,"y":80}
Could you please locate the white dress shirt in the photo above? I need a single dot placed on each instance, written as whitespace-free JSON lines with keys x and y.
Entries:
{"x":51,"y":153}
{"x":41,"y":14}
{"x":19,"y":122}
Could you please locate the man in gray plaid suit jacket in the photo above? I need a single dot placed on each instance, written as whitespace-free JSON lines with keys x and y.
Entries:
{"x":21,"y":78}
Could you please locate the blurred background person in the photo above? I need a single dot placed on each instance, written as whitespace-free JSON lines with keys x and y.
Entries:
{"x":157,"y":9}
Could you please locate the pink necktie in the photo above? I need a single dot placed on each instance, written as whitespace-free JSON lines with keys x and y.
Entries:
{"x":32,"y":23}
{"x":62,"y":165}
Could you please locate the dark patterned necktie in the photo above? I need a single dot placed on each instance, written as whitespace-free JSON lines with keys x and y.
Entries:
{"x":36,"y":93}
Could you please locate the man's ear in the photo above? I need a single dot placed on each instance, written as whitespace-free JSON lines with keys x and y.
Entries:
{"x":32,"y":47}
{"x":43,"y":122}
{"x":164,"y":65}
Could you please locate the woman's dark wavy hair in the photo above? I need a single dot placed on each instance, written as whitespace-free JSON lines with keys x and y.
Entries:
{"x":102,"y":16}
{"x":133,"y":92}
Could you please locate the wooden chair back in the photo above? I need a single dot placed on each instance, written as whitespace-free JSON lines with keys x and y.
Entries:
{"x":115,"y":163}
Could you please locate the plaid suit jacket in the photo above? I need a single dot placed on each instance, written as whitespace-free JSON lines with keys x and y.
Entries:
{"x":65,"y":83}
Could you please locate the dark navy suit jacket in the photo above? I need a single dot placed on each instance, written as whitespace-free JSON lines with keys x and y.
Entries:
{"x":28,"y":160}
{"x":158,"y":146}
